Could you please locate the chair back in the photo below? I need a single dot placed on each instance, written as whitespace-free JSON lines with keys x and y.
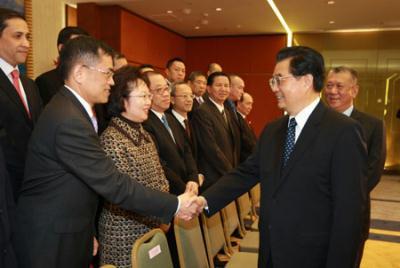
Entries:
{"x":151,"y":250}
{"x":213,"y":236}
{"x":244,"y":209}
{"x":190,"y":244}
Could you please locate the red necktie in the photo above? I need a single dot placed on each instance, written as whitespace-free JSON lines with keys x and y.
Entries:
{"x":15,"y":78}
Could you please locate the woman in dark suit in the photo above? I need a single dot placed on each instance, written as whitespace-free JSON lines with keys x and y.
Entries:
{"x":134,"y":153}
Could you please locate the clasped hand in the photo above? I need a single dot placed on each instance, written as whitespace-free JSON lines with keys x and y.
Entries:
{"x":191,"y":205}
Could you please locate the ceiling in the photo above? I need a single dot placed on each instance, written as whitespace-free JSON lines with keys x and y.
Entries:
{"x":192,"y":18}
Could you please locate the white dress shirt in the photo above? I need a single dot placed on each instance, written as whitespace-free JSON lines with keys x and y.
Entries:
{"x":302,"y":117}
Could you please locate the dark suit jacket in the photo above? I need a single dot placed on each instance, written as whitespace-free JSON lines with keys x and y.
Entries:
{"x":375,"y":137}
{"x":49,"y":83}
{"x":7,"y":220}
{"x":247,"y":139}
{"x":311,"y":211}
{"x":218,"y":144}
{"x":191,"y":139}
{"x":176,"y":157}
{"x":16,"y":126}
{"x":66,"y":172}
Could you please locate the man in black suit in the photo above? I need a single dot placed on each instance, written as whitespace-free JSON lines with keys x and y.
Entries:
{"x":51,"y":82}
{"x":7,"y":221}
{"x":182,"y":103}
{"x":341,"y":89}
{"x":198,"y":83}
{"x":249,"y":139}
{"x":67,"y":170}
{"x":175,"y":70}
{"x":218,"y":142}
{"x":20,"y":103}
{"x":173,"y":148}
{"x":311,"y":164}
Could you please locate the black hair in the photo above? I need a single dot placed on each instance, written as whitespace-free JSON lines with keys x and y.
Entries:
{"x":171,"y":61}
{"x":211,"y":77}
{"x":65,"y":34}
{"x":7,"y":14}
{"x":303,"y":61}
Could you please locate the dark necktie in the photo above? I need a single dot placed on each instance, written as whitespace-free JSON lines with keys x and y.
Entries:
{"x":224,"y":116}
{"x":166,"y":125}
{"x":290,"y":140}
{"x":187,"y":128}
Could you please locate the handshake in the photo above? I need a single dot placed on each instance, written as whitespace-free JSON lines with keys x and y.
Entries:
{"x":191,"y":205}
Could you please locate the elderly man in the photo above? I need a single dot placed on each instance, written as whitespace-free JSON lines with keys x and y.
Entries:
{"x":20,"y":102}
{"x":341,"y":89}
{"x":249,"y":139}
{"x":67,"y":170}
{"x":214,"y":67}
{"x":311,"y":164}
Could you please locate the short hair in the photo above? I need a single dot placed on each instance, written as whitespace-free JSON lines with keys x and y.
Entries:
{"x":211,"y":77}
{"x":143,"y":66}
{"x":171,"y":61}
{"x":7,"y":14}
{"x":193,"y":75}
{"x":212,"y":65}
{"x":344,"y":69}
{"x":303,"y":61}
{"x":174,"y":85}
{"x":65,"y":34}
{"x":146,"y":76}
{"x":125,"y":81}
{"x":117,"y":55}
{"x":83,"y":49}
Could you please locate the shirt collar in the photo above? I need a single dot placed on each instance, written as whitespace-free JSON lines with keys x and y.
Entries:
{"x":219,"y":106}
{"x":179,"y":117}
{"x":85,"y":104}
{"x":348,"y":111}
{"x":6,"y":67}
{"x":159,"y":115}
{"x":241,"y":114}
{"x":303,"y":115}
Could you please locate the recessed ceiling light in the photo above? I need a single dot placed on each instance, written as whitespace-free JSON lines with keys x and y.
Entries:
{"x":204,"y":21}
{"x":186,"y":11}
{"x":331,"y":22}
{"x":197,"y":27}
{"x":331,"y":2}
{"x":170,"y":11}
{"x":218,"y":9}
{"x":205,"y":14}
{"x":239,"y":26}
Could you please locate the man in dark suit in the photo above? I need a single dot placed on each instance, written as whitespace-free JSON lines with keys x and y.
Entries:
{"x":173,"y":148}
{"x":20,"y":103}
{"x":182,"y":104}
{"x":7,"y":221}
{"x":175,"y":70}
{"x":218,"y":142}
{"x":67,"y":170}
{"x":341,"y":89}
{"x":51,"y":82}
{"x":248,"y":137}
{"x":311,"y":164}
{"x":198,"y":83}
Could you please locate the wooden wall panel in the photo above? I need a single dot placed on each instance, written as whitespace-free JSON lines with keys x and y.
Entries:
{"x":251,"y":57}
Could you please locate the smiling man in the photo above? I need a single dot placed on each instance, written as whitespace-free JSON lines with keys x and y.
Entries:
{"x":67,"y":170}
{"x":311,"y":165}
{"x":20,"y":102}
{"x":341,"y":89}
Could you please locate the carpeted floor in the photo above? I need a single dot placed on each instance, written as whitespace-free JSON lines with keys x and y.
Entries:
{"x":382,"y":249}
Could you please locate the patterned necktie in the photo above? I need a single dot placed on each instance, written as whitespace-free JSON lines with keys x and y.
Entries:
{"x":290,"y":140}
{"x":166,"y":125}
{"x":224,"y":116}
{"x":15,"y":78}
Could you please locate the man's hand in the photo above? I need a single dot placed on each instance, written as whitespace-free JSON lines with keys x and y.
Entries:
{"x":192,"y":187}
{"x":190,"y":206}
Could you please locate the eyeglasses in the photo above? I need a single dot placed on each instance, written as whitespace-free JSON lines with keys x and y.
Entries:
{"x":107,"y":73}
{"x":185,"y":96}
{"x":340,"y":87}
{"x":276,"y":80}
{"x":143,"y":96}
{"x":161,"y":90}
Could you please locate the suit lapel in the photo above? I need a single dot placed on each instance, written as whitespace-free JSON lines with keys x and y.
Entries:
{"x":304,"y":141}
{"x":9,"y":89}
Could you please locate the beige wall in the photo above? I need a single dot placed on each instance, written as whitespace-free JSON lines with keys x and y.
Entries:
{"x":47,"y":19}
{"x":376,"y":57}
